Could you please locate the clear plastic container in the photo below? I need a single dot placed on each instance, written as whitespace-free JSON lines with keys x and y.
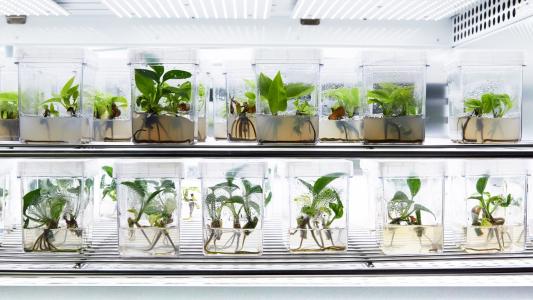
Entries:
{"x":203,"y":91}
{"x":57,"y":205}
{"x":106,"y":191}
{"x":164,"y":95}
{"x":51,"y":95}
{"x":341,"y":109}
{"x":241,"y":101}
{"x":318,"y":205}
{"x":233,"y":196}
{"x":220,"y":111}
{"x":111,"y":101}
{"x":395,"y":88}
{"x":9,"y":108}
{"x":5,"y":191}
{"x":288,"y":93}
{"x":148,"y":194}
{"x":485,"y":96}
{"x":410,"y":196}
{"x":491,"y":201}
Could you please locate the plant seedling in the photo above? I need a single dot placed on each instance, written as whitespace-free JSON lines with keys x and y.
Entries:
{"x":347,"y":102}
{"x":394,"y":100}
{"x":68,"y":98}
{"x":229,"y":195}
{"x":496,"y":105}
{"x":108,"y":189}
{"x":277,"y":93}
{"x":243,"y":128}
{"x":157,"y":206}
{"x":9,"y":105}
{"x":483,"y":214}
{"x":321,"y":205}
{"x":46,"y":205}
{"x":107,"y":107}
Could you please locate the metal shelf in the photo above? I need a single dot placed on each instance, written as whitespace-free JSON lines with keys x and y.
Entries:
{"x":363,"y":257}
{"x":431,"y":149}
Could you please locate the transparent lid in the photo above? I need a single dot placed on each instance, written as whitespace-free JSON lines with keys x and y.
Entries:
{"x":148,"y":169}
{"x":287,"y":55}
{"x":318,"y":167}
{"x":162,"y":56}
{"x":496,"y":167}
{"x":342,"y":65}
{"x":51,"y":168}
{"x":240,"y":66}
{"x":487,"y":58}
{"x":245,"y":168}
{"x":51,"y":54}
{"x":408,"y":168}
{"x":394,"y":58}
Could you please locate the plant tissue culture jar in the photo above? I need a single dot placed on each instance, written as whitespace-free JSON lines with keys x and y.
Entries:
{"x":493,"y":201}
{"x":148,"y":195}
{"x":56,"y":205}
{"x":318,"y":205}
{"x":110,"y":99}
{"x":233,"y":194}
{"x":5,"y":225}
{"x":409,"y":213}
{"x":163,"y":95}
{"x":220,"y":111}
{"x":395,"y":90}
{"x":342,"y":112}
{"x":52,"y":95}
{"x":288,"y":86}
{"x":241,"y":99}
{"x":9,"y":107}
{"x":202,"y":94}
{"x":485,"y":92}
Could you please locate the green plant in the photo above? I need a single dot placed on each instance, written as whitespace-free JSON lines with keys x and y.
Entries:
{"x":43,"y":208}
{"x":9,"y":105}
{"x":482,"y":214}
{"x":157,"y":95}
{"x":402,"y":209}
{"x":68,"y":98}
{"x":108,"y":189}
{"x":242,"y":127}
{"x":277,"y":93}
{"x":394,"y":100}
{"x":229,"y":195}
{"x":347,"y":102}
{"x":157,"y":207}
{"x":320,"y":207}
{"x":107,"y":106}
{"x":496,"y":104}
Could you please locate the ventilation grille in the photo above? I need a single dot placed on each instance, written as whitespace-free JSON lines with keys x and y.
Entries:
{"x":485,"y":16}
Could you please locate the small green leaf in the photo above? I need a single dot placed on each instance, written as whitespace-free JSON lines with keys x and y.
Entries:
{"x":481,"y":184}
{"x":158,"y":69}
{"x":277,"y":96}
{"x":323,"y":181}
{"x":414,"y":184}
{"x":176,"y":74}
{"x":295,"y":90}
{"x":108,"y":170}
{"x":419,"y":207}
{"x":400,"y":197}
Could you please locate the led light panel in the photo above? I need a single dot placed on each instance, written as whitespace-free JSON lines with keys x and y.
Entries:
{"x":197,"y":9}
{"x":408,"y":10}
{"x":31,"y":8}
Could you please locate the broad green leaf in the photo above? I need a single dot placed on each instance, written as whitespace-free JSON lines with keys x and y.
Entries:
{"x":136,"y":186}
{"x":235,"y":200}
{"x":56,"y":208}
{"x":31,"y":198}
{"x":250,"y":95}
{"x":255,"y":207}
{"x":481,"y":184}
{"x":176,"y":74}
{"x":144,"y":84}
{"x":108,"y":170}
{"x":295,"y":90}
{"x":306,"y":184}
{"x":414,"y":184}
{"x":419,"y":207}
{"x":264,"y":85}
{"x":158,"y":69}
{"x":147,"y":74}
{"x":323,"y":181}
{"x":277,"y":96}
{"x":65,"y":90}
{"x":400,"y":196}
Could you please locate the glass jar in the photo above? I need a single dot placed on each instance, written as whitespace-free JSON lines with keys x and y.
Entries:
{"x":485,"y":93}
{"x":9,"y":108}
{"x":163,"y":95}
{"x":233,"y":195}
{"x":410,"y":196}
{"x":490,"y":197}
{"x":51,"y":95}
{"x":341,"y":109}
{"x":241,"y":101}
{"x":148,"y":195}
{"x":220,"y":112}
{"x":395,"y":88}
{"x":106,"y":196}
{"x":56,"y":205}
{"x":111,"y":101}
{"x":5,"y":190}
{"x":318,"y":205}
{"x":202,"y":96}
{"x":288,"y":89}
